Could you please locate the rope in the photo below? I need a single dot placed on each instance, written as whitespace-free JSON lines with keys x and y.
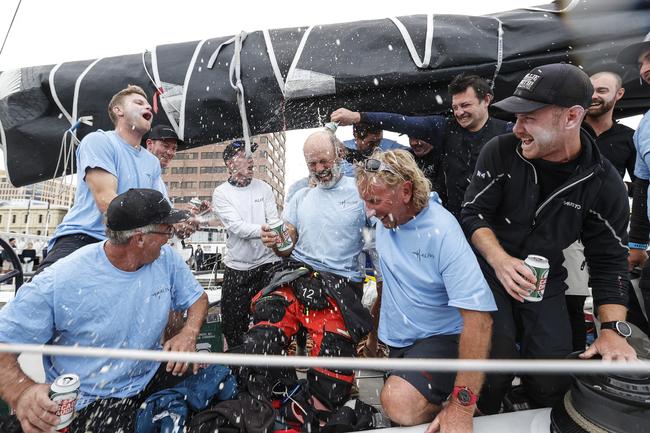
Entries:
{"x":440,"y":365}
{"x":238,"y":86}
{"x":576,"y":417}
{"x":10,"y":26}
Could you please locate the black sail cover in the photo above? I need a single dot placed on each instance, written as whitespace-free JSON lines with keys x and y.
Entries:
{"x":293,"y":78}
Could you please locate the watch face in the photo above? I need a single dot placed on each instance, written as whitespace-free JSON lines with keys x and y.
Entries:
{"x":624,"y":329}
{"x":464,"y":397}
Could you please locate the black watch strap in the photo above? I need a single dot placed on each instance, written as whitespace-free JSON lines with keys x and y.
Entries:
{"x":621,"y":327}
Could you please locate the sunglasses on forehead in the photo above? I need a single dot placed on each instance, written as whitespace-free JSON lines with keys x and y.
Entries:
{"x":374,"y":166}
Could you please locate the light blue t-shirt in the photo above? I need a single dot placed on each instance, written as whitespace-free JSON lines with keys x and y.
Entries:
{"x":84,"y":300}
{"x":429,"y":271}
{"x":642,"y":144}
{"x":329,"y":224}
{"x":295,"y":187}
{"x":384,"y":144}
{"x":133,"y":168}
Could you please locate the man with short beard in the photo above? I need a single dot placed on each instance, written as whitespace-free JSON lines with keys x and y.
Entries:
{"x":615,"y":143}
{"x":614,"y":140}
{"x":325,"y":223}
{"x":244,"y":204}
{"x":108,"y":163}
{"x":456,"y":142}
{"x":534,"y":192}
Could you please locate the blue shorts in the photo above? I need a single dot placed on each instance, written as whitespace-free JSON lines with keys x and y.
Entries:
{"x":434,"y":386}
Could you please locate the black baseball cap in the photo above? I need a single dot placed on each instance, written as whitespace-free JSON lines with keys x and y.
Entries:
{"x":555,"y":84}
{"x":162,"y":132}
{"x":140,"y":207}
{"x":630,"y":54}
{"x":231,"y":150}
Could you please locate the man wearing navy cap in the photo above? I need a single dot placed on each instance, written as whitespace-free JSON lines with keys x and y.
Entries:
{"x":536,"y":191}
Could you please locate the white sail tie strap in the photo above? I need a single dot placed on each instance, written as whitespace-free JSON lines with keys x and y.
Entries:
{"x":55,"y":97}
{"x":158,"y":83}
{"x":186,"y":83}
{"x":420,"y":63}
{"x":499,"y":52}
{"x":238,"y":86}
{"x":215,"y":54}
{"x":77,"y":85}
{"x":274,"y":61}
{"x":236,"y":82}
{"x":572,"y":5}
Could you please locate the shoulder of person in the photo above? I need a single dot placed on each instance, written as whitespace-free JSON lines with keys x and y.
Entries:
{"x":99,"y":136}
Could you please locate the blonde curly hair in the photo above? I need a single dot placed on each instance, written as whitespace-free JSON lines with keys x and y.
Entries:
{"x":405,"y":168}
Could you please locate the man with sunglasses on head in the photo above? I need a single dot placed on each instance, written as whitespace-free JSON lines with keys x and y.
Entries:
{"x":112,"y":294}
{"x":243,"y":204}
{"x":535,"y":192}
{"x":456,"y":141}
{"x":108,"y":163}
{"x":325,"y":224}
{"x":435,"y":301}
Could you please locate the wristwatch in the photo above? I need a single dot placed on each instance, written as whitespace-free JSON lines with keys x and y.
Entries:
{"x":621,"y":327}
{"x":464,"y":395}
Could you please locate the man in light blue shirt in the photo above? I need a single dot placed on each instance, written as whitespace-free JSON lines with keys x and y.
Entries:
{"x":435,"y":302}
{"x":114,"y":294}
{"x":108,"y":164}
{"x":325,"y":223}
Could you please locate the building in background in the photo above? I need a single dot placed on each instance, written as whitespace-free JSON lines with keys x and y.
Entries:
{"x":57,"y":192}
{"x":30,"y":217}
{"x":34,"y":209}
{"x":197,"y":172}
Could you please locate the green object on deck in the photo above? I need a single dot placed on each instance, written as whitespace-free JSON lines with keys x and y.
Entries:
{"x":211,"y":337}
{"x":4,"y":408}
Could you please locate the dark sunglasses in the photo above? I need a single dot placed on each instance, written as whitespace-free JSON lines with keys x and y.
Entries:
{"x":374,"y":166}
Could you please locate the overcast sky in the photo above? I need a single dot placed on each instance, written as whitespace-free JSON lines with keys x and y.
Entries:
{"x":48,"y":32}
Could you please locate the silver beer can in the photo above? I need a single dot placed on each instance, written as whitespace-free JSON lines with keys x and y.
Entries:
{"x":540,"y":267}
{"x":286,"y":242}
{"x":64,"y":391}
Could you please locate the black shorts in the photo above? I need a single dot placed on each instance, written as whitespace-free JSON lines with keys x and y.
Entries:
{"x":434,"y":386}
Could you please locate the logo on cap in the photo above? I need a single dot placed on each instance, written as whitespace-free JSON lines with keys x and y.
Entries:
{"x":529,"y":82}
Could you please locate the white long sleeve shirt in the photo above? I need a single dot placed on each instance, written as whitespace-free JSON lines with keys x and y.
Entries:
{"x":242,"y":211}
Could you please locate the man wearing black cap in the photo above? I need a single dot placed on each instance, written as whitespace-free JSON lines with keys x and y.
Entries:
{"x":639,"y":54}
{"x":113,"y":294}
{"x":534,"y":192}
{"x":243,"y":204}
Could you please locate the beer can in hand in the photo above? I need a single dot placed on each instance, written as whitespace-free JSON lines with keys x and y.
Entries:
{"x":286,"y":242}
{"x":64,"y":391}
{"x":539,"y":266}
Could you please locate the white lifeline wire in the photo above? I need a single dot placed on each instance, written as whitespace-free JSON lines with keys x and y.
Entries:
{"x":420,"y":63}
{"x":440,"y":365}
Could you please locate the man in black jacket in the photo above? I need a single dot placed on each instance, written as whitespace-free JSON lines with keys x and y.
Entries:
{"x":456,"y":142}
{"x":535,"y":192}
